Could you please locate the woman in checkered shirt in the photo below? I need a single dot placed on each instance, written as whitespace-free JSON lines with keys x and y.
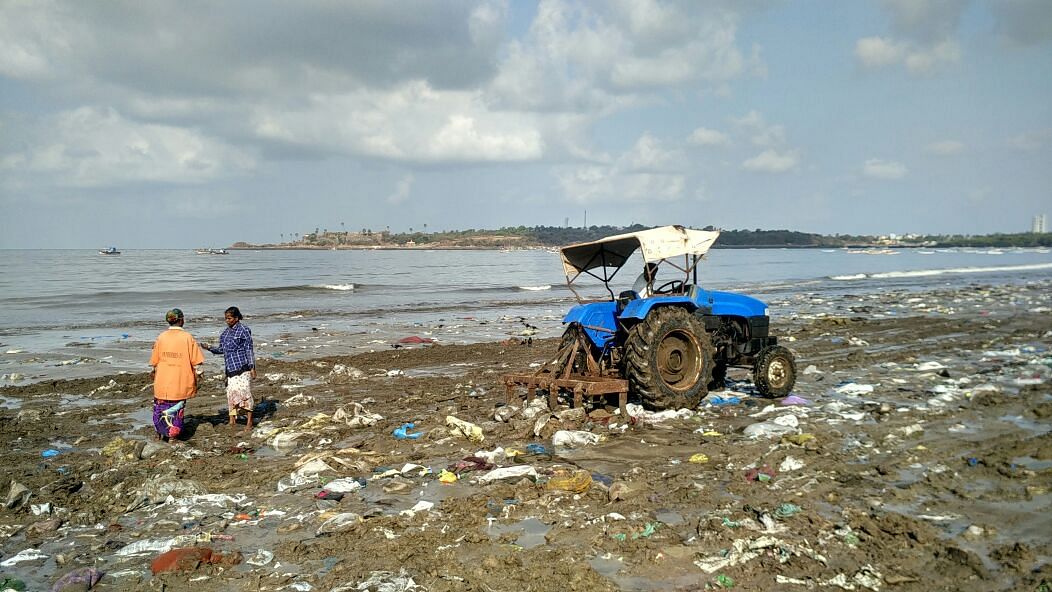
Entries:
{"x":235,"y":343}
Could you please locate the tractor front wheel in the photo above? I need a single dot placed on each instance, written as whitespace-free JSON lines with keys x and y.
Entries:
{"x":668,"y":359}
{"x":775,"y":371}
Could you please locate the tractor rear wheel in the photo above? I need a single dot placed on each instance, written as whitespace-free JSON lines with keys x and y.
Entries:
{"x":668,"y":359}
{"x":775,"y":371}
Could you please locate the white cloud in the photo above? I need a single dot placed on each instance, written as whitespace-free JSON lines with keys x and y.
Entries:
{"x":412,"y":122}
{"x":878,"y":52}
{"x":762,"y":133}
{"x":707,"y":137}
{"x":649,"y":155}
{"x":612,"y":185}
{"x":90,"y":147}
{"x":884,"y":169}
{"x":402,"y":190}
{"x":1031,"y":140}
{"x":945,"y":148}
{"x":604,"y":54}
{"x":927,"y":60}
{"x":771,"y":161}
{"x":647,"y":172}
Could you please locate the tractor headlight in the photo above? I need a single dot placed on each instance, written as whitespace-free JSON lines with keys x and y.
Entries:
{"x":766,"y":312}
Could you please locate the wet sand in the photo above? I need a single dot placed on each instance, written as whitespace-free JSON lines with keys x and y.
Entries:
{"x":929,"y":469}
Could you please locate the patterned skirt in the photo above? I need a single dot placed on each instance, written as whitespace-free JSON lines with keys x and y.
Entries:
{"x":239,"y":393}
{"x":168,"y":417}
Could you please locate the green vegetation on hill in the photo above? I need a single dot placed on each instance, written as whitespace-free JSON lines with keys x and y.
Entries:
{"x":556,"y":236}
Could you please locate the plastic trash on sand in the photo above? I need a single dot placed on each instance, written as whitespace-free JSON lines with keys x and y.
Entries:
{"x":383,"y":581}
{"x":767,"y":429}
{"x":795,"y":400}
{"x":355,"y":415}
{"x":719,"y":401}
{"x":339,"y":522}
{"x":402,"y":432}
{"x":23,"y":556}
{"x":509,"y":473}
{"x":699,"y":458}
{"x":573,"y":439}
{"x":854,"y":388}
{"x":261,"y":558}
{"x":344,"y":485}
{"x":459,"y":427}
{"x":574,"y":481}
{"x":447,"y":477}
{"x":790,"y":464}
{"x":313,"y":468}
{"x":421,"y":506}
{"x":295,"y":482}
{"x":537,"y":405}
{"x":763,"y":474}
{"x":744,"y":550}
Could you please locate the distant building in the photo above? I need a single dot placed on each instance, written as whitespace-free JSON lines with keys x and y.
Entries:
{"x":1038,"y":225}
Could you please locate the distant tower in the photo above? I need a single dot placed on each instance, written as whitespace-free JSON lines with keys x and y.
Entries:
{"x":1038,"y":225}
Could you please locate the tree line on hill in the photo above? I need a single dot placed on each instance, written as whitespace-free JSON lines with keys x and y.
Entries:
{"x":555,"y":236}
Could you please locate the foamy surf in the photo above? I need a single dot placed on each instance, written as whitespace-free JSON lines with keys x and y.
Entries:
{"x":536,"y":288}
{"x":340,"y":287}
{"x":935,"y":272}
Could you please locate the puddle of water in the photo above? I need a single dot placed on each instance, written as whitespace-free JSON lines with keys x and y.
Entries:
{"x":436,"y":371}
{"x":606,"y":565}
{"x":9,"y":403}
{"x":669,"y":517}
{"x":1027,"y":424}
{"x":533,"y":532}
{"x":1032,"y":464}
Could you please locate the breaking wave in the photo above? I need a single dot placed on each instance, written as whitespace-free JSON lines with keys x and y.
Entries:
{"x":937,"y":272}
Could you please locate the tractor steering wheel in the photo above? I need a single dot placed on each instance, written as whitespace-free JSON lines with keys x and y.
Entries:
{"x":672,"y":287}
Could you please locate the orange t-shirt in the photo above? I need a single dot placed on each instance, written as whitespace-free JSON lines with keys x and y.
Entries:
{"x":174,"y":356}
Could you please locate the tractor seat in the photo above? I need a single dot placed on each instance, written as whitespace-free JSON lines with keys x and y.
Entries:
{"x":624,"y":298}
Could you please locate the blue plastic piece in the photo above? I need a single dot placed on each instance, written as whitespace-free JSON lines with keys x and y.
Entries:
{"x":536,"y":449}
{"x":724,"y":401}
{"x":50,"y":452}
{"x":402,"y":432}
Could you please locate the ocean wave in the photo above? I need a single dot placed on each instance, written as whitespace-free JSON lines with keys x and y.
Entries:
{"x":536,"y":288}
{"x":944,"y":271}
{"x":340,"y":287}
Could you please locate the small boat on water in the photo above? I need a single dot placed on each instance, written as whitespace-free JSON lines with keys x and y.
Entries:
{"x":211,"y":251}
{"x":109,"y":251}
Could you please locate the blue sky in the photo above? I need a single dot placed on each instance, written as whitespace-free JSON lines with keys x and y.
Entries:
{"x":182,"y":124}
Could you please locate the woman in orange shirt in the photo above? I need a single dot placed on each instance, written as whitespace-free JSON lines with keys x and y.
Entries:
{"x":175,"y":360}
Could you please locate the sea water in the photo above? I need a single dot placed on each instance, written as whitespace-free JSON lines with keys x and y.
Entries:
{"x":67,"y":313}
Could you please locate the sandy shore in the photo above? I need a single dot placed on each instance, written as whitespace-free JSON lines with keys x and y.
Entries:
{"x":929,"y":469}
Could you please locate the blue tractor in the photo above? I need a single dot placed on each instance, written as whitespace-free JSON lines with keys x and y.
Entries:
{"x":673,"y":342}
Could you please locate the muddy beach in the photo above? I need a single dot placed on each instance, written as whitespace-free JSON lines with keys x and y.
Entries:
{"x":914,"y":454}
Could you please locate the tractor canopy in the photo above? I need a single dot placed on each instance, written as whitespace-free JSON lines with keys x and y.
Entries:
{"x":602,"y":259}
